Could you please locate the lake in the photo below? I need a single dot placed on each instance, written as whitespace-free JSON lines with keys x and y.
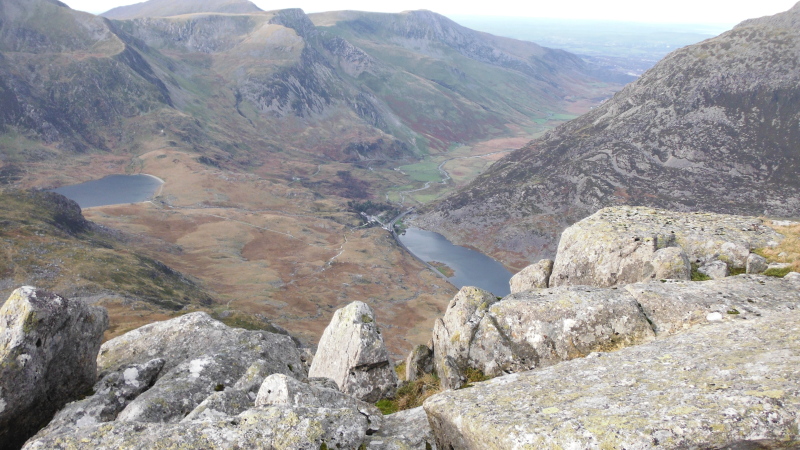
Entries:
{"x":112,"y":190}
{"x":471,"y":268}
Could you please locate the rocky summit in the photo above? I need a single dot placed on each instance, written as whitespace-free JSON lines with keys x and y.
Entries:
{"x":712,"y":127}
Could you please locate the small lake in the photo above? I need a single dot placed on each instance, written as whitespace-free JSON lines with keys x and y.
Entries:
{"x":112,"y":190}
{"x":471,"y":268}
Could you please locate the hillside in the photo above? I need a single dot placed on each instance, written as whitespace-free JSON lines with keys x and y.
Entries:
{"x":712,"y":127}
{"x":166,"y":8}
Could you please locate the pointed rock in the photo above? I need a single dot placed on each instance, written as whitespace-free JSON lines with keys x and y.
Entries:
{"x":352,"y":353}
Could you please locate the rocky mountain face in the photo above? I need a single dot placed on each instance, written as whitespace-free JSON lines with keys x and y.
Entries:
{"x":226,"y":78}
{"x":712,"y":127}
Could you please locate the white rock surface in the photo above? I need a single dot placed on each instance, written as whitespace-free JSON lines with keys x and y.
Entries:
{"x":352,"y":353}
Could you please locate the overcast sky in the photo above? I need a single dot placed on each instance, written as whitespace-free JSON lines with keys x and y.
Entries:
{"x":674,"y":11}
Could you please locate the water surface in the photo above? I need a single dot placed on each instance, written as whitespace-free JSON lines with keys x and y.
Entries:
{"x":112,"y":190}
{"x":471,"y":268}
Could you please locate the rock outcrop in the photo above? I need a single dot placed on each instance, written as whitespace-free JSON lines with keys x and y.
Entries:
{"x":48,"y":347}
{"x":532,"y":329}
{"x":621,"y":245}
{"x":723,"y":385}
{"x":532,"y":277}
{"x":193,"y":382}
{"x":352,"y":353}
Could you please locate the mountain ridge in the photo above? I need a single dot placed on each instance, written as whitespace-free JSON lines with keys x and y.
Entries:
{"x":166,"y":8}
{"x":710,"y":128}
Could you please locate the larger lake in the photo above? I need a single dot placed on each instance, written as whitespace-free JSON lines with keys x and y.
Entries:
{"x":112,"y":190}
{"x":471,"y":268}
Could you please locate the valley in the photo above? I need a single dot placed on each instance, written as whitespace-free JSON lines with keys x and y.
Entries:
{"x":269,"y":129}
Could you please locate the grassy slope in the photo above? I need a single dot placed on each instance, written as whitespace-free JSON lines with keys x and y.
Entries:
{"x":47,"y":243}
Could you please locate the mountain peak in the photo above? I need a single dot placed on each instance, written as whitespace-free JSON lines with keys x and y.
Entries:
{"x":167,"y":8}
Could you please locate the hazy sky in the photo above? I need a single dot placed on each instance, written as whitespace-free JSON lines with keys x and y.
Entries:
{"x":674,"y":11}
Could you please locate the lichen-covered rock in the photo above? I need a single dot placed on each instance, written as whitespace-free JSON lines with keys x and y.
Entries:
{"x":111,"y":395}
{"x":221,"y":405}
{"x":278,"y":428}
{"x":201,"y":356}
{"x":352,"y":353}
{"x":48,"y":347}
{"x":532,"y":277}
{"x":542,"y":327}
{"x":454,"y":333}
{"x":419,"y":362}
{"x":194,"y":335}
{"x":756,"y":263}
{"x":714,"y":270}
{"x":404,"y":430}
{"x":280,"y":390}
{"x":674,"y":306}
{"x":727,"y":385}
{"x":617,"y":245}
{"x":671,"y":263}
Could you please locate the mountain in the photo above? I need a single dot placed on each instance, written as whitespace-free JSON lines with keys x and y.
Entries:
{"x":166,"y":8}
{"x":342,"y":88}
{"x":712,"y":127}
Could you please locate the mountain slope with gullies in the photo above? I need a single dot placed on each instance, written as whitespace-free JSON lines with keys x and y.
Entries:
{"x":712,"y":127}
{"x":229,"y":83}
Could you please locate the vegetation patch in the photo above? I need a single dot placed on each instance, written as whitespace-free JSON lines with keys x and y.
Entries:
{"x":411,"y":394}
{"x":787,"y":251}
{"x":443,"y":268}
{"x":697,"y":275}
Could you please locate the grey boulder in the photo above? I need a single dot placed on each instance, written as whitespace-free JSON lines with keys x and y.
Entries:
{"x":454,"y":334}
{"x":48,"y":348}
{"x":756,"y":264}
{"x":352,"y":353}
{"x":714,"y":270}
{"x":280,"y":390}
{"x":535,"y":276}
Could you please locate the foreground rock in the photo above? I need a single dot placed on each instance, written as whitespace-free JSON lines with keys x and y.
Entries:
{"x":351,"y":352}
{"x":189,"y":367}
{"x":619,"y":245}
{"x":404,"y":430}
{"x":280,"y":390}
{"x":532,"y":329}
{"x":262,"y":428}
{"x":726,"y":385}
{"x":537,"y":328}
{"x":48,"y":347}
